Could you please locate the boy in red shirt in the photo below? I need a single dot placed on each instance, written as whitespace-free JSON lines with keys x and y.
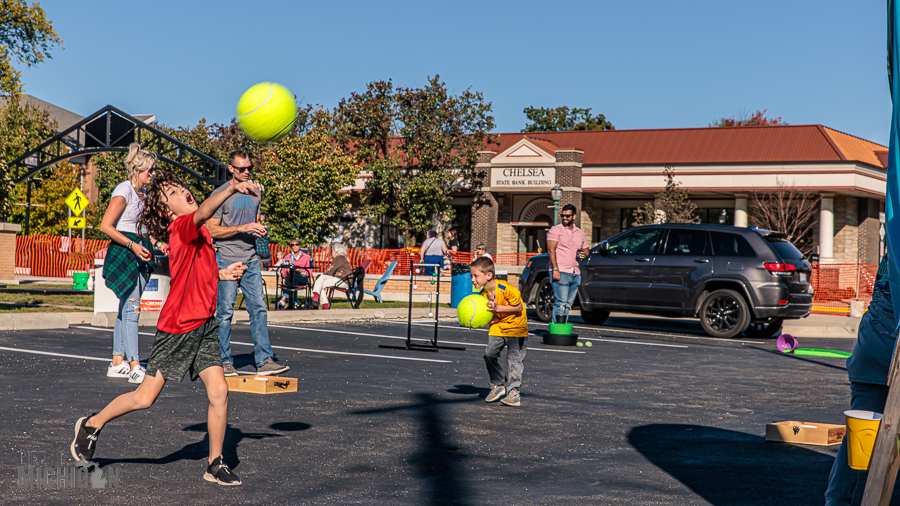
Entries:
{"x":187,"y":336}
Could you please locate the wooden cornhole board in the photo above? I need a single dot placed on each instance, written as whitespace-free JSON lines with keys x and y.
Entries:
{"x":261,"y":384}
{"x":824,"y":434}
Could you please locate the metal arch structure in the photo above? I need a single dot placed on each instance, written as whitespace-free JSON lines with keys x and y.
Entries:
{"x":111,"y":130}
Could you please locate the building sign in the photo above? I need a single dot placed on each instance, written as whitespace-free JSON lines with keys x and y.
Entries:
{"x":522,"y":178}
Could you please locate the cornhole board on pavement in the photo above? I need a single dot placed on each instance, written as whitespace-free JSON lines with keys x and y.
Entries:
{"x":261,"y":384}
{"x":808,"y":433}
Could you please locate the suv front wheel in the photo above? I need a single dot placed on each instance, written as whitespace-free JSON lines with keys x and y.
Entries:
{"x":724,"y":313}
{"x":543,"y":301}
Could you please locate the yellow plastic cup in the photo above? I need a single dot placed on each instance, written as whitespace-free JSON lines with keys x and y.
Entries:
{"x":862,"y":428}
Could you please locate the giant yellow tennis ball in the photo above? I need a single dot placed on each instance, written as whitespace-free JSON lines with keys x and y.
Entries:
{"x":473,"y":312}
{"x":266,"y":112}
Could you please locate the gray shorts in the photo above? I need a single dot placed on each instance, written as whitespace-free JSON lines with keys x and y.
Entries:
{"x":175,"y":354}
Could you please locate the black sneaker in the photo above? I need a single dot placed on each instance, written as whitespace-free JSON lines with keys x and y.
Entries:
{"x":218,"y":472}
{"x":85,"y":441}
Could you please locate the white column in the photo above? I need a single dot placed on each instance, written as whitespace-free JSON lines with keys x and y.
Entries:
{"x":826,"y":230}
{"x":740,"y":210}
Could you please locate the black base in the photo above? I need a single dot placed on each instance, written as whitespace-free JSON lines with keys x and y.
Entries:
{"x":422,"y":347}
{"x":560,"y":339}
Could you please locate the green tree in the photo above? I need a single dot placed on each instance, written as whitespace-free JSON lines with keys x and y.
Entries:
{"x":302,"y":177}
{"x":26,"y":36}
{"x":671,"y":205}
{"x":50,"y":212}
{"x":745,"y":119}
{"x":416,"y":144}
{"x":23,"y":127}
{"x":561,"y":119}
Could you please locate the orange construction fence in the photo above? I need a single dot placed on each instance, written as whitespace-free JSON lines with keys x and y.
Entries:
{"x":836,"y":285}
{"x":55,"y":256}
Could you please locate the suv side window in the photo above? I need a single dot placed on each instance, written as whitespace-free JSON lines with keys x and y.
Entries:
{"x":731,"y":245}
{"x":687,"y":242}
{"x":639,"y":242}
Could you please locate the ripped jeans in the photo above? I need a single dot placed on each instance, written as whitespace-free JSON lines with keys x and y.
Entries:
{"x":125,"y":334}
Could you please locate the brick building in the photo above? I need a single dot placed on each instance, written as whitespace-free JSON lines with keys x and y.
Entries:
{"x":608,"y":174}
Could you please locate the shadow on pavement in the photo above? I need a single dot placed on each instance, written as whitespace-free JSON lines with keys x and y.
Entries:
{"x":438,"y":462}
{"x":200,"y":449}
{"x":728,"y":467}
{"x":822,"y":361}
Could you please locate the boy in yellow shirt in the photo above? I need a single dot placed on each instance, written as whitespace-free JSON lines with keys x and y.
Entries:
{"x":509,"y":329}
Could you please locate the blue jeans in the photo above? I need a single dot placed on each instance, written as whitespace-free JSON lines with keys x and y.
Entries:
{"x":432,"y":259}
{"x":564,"y":291}
{"x":843,"y":482}
{"x":125,"y":333}
{"x":251,"y":287}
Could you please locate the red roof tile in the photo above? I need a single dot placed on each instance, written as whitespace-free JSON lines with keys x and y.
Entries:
{"x":781,"y":144}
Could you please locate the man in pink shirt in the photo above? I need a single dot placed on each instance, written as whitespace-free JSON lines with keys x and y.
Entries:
{"x":563,"y":244}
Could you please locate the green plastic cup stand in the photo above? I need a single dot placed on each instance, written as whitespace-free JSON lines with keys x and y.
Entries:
{"x":560,"y":334}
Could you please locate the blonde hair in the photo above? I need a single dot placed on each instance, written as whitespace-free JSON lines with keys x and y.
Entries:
{"x":138,"y":159}
{"x":338,"y":250}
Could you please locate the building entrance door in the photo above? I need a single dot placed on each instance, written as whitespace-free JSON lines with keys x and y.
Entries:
{"x":532,"y":239}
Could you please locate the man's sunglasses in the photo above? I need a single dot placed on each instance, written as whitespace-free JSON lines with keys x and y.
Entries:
{"x":567,"y":215}
{"x":242,"y":169}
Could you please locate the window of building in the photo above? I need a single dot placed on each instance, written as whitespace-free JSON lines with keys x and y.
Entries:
{"x":714,"y":215}
{"x":627,"y":217}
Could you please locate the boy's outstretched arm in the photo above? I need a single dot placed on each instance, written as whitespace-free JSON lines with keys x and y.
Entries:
{"x":209,"y":206}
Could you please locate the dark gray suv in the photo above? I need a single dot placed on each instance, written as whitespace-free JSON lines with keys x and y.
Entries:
{"x":736,"y":280}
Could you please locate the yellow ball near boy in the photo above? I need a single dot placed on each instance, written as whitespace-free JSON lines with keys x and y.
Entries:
{"x":509,"y":329}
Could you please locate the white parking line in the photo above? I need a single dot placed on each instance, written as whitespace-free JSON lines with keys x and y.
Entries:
{"x":65,"y":355}
{"x":308,"y":350}
{"x":404,"y":339}
{"x":110,"y":330}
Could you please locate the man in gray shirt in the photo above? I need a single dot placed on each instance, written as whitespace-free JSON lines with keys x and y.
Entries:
{"x":235,"y":227}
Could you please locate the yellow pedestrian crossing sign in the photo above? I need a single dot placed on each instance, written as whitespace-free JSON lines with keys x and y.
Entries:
{"x":77,"y":221}
{"x":77,"y":202}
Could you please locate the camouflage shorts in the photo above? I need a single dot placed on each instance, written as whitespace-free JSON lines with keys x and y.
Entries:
{"x":175,"y":354}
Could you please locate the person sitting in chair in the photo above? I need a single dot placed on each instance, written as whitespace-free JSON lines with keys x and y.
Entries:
{"x":340,"y":267}
{"x":297,"y":258}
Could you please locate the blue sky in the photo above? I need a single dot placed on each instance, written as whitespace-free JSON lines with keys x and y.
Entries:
{"x":644,"y":64}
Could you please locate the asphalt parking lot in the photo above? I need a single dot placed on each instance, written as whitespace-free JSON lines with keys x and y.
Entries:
{"x":642,"y":417}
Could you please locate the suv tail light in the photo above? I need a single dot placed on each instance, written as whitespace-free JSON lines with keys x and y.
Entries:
{"x":780,"y":269}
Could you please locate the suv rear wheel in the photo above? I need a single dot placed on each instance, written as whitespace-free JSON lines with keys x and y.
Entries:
{"x":764,"y":330}
{"x":543,"y":301}
{"x":595,"y":317}
{"x":724,"y":313}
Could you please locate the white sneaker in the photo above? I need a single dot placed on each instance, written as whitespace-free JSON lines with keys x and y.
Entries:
{"x":137,"y":374}
{"x":118,"y":371}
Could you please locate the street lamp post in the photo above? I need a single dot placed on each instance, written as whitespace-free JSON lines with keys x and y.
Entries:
{"x":556,"y":194}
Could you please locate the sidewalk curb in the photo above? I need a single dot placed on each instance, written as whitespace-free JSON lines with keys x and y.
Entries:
{"x":33,"y":321}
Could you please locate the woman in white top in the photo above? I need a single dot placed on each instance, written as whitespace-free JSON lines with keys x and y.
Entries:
{"x":128,"y":261}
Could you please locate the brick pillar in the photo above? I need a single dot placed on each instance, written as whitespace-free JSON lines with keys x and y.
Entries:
{"x":568,"y":176}
{"x":8,"y":252}
{"x":485,"y":209}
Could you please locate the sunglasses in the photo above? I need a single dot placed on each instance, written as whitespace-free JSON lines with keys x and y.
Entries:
{"x":294,"y":244}
{"x":242,"y":169}
{"x":567,"y":215}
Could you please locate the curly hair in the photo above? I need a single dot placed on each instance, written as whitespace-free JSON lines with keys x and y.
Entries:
{"x":156,"y":216}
